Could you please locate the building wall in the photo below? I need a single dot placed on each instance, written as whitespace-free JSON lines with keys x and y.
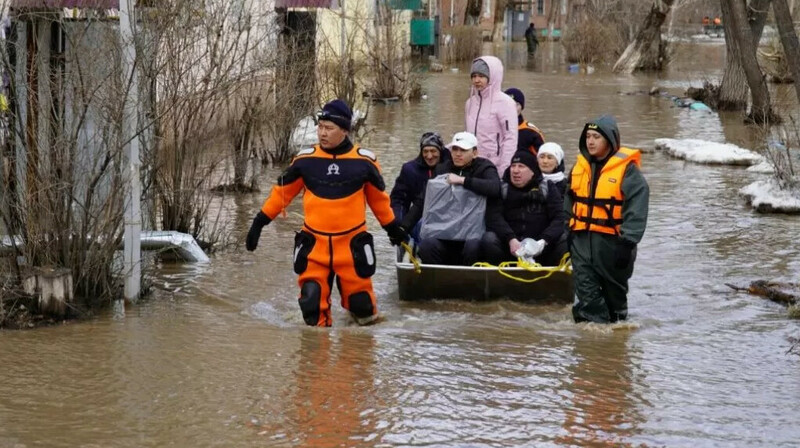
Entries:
{"x":360,"y":26}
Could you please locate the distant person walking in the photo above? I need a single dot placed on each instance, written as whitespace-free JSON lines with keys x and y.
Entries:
{"x":531,"y":39}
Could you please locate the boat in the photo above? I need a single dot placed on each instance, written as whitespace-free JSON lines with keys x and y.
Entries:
{"x":479,"y":283}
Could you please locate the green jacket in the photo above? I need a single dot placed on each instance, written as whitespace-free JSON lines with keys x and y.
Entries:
{"x":635,"y":191}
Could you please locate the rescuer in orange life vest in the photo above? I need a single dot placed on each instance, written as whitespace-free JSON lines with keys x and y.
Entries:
{"x":607,"y":201}
{"x":340,"y":179}
{"x":529,"y":137}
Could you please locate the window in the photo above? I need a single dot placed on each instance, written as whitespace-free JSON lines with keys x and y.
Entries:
{"x":540,"y":7}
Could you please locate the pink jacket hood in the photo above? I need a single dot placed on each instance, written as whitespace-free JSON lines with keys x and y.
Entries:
{"x":492,"y":116}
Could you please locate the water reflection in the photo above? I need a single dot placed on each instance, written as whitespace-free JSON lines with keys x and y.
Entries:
{"x":334,"y":395}
{"x":220,"y":355}
{"x":602,"y":411}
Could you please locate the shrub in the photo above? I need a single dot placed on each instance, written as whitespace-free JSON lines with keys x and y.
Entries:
{"x":591,"y":41}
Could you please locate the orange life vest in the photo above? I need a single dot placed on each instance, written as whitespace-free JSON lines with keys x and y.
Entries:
{"x":601,"y":211}
{"x":530,"y":126}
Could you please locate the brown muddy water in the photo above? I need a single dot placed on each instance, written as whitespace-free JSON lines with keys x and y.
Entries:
{"x":220,"y":357}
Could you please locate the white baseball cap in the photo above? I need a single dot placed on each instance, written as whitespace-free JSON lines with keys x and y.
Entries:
{"x":464,"y":140}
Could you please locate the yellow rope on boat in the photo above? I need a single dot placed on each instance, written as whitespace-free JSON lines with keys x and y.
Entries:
{"x":564,"y":265}
{"x":412,"y":258}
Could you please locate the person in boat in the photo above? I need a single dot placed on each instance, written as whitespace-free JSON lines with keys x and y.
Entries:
{"x":490,"y":114}
{"x":529,"y":137}
{"x":415,"y":174}
{"x":607,"y":204}
{"x":530,"y":207}
{"x":338,"y":180}
{"x":474,"y":174}
{"x":551,"y":164}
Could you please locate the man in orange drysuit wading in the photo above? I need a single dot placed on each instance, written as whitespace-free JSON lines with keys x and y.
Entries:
{"x":339,"y":179}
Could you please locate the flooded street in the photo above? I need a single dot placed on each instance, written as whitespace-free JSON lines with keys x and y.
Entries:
{"x":220,"y":355}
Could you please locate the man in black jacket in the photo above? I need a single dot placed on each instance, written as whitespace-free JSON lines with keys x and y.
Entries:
{"x":475,"y":174}
{"x":529,"y":207}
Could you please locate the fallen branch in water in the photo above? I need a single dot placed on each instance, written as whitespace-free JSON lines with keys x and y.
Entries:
{"x":785,"y":293}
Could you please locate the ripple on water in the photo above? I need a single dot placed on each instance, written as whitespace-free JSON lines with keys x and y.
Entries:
{"x":220,"y":355}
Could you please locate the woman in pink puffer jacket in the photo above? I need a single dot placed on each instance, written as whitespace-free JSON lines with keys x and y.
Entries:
{"x":490,"y":114}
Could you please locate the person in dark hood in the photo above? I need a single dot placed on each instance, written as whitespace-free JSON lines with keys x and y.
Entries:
{"x":530,"y":208}
{"x":607,"y":204}
{"x":415,"y":173}
{"x":475,"y":174}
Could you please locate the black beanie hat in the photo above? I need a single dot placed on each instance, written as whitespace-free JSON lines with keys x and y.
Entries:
{"x":516,"y":95}
{"x":338,"y":112}
{"x":431,"y":139}
{"x":526,"y":158}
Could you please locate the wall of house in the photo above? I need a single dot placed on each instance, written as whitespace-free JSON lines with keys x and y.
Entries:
{"x":360,"y":27}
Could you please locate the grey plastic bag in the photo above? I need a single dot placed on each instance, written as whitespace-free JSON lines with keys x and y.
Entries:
{"x":452,"y":212}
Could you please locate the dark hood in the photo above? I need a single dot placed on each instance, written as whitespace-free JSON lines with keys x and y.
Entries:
{"x":606,"y":125}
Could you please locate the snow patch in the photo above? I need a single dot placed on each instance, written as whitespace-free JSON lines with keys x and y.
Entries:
{"x":764,"y":167}
{"x":766,"y":196}
{"x":701,"y":151}
{"x":305,"y":133}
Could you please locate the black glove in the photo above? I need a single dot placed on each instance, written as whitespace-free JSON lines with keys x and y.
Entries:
{"x":397,"y":234}
{"x":623,"y":254}
{"x":536,"y":195}
{"x":255,"y":230}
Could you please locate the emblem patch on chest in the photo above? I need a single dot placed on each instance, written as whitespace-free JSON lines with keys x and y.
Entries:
{"x":333,"y":169}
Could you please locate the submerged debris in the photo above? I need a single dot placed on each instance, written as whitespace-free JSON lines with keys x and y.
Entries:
{"x":784,"y":293}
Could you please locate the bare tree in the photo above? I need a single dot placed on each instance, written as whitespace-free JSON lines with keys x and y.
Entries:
{"x":761,"y":109}
{"x":389,"y":58}
{"x":499,"y":20}
{"x":791,"y":46}
{"x":734,"y":90}
{"x":66,"y":195}
{"x":472,"y":15}
{"x":205,"y":54}
{"x":648,"y":50}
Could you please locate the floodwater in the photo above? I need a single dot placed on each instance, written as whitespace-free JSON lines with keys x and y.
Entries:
{"x":220,"y":356}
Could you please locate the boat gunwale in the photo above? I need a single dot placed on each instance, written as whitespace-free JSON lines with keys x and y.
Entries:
{"x":450,"y":267}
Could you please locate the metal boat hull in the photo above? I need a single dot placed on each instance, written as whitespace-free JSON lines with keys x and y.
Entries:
{"x":482,"y":283}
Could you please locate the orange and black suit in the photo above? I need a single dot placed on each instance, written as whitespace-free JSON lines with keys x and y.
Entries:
{"x":334,"y":242}
{"x":530,"y":137}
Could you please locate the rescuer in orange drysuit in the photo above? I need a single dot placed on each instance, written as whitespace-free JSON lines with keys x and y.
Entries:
{"x":339,"y":179}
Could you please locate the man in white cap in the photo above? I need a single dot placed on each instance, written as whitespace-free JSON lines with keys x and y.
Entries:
{"x":475,"y":174}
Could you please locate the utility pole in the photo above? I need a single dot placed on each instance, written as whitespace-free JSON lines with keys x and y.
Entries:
{"x":343,"y":41}
{"x":132,"y":251}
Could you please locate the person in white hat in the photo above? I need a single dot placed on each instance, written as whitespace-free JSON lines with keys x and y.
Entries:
{"x":475,"y":174}
{"x":551,"y":164}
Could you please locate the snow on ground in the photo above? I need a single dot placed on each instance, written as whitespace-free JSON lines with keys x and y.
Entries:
{"x":701,"y":151}
{"x":762,"y":168}
{"x":767,"y":197}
